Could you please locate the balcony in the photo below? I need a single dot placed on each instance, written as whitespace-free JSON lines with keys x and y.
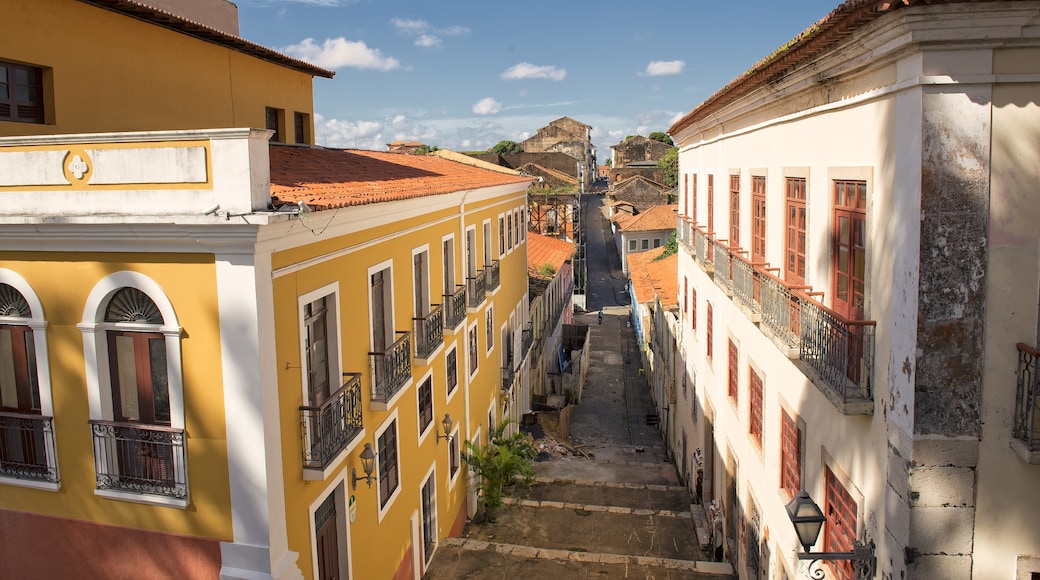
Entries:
{"x":526,"y":340}
{"x":138,"y":459}
{"x":508,"y":374}
{"x":429,"y":333}
{"x":27,"y":448}
{"x":329,"y":427}
{"x":494,"y":278}
{"x":476,"y":289}
{"x":391,"y":369}
{"x":1026,"y":432}
{"x":456,"y":312}
{"x":684,"y":233}
{"x":835,"y":352}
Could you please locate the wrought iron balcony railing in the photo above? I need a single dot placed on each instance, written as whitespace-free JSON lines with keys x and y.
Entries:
{"x":141,"y":459}
{"x":684,"y":232}
{"x":723,"y":270}
{"x":328,"y":428}
{"x":27,"y":447}
{"x":841,"y":351}
{"x":391,"y":369}
{"x":494,"y":280}
{"x":702,"y":246}
{"x":429,"y":332}
{"x":1027,"y":399}
{"x":526,"y":340}
{"x":456,"y":308}
{"x":747,"y":285}
{"x":508,"y":374}
{"x":476,"y":289}
{"x":780,"y":309}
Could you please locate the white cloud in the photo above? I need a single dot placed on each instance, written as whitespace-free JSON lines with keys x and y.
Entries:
{"x":408,"y":25}
{"x":487,"y":106}
{"x":428,"y":41}
{"x":340,"y":52}
{"x":526,"y":70}
{"x":454,"y":31}
{"x":660,"y":68}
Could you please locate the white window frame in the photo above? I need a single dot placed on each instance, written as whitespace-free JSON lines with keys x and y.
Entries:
{"x":458,"y":375}
{"x":424,"y":433}
{"x":423,"y":249}
{"x":424,"y":558}
{"x":37,"y":322}
{"x":489,"y":242}
{"x":335,"y":367}
{"x":471,"y":369}
{"x":95,"y":355}
{"x":390,"y":323}
{"x":337,"y":486}
{"x":633,"y":245}
{"x":501,"y":235}
{"x":454,"y":449}
{"x":454,"y":266}
{"x":489,"y":331}
{"x":385,"y":508}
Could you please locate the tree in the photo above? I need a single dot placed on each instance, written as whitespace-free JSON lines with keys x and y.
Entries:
{"x":662,"y":137}
{"x":425,"y":149}
{"x":670,"y":164}
{"x":503,"y":461}
{"x":507,"y":147}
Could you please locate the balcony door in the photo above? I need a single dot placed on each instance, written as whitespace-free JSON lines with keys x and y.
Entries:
{"x":19,"y":387}
{"x":849,"y":255}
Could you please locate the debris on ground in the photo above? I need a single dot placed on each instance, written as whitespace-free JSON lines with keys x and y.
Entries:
{"x":550,"y":448}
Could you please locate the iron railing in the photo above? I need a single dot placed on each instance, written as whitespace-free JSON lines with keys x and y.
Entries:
{"x":429,"y":331}
{"x":141,"y":459}
{"x":703,"y":248}
{"x":684,"y":232}
{"x":476,"y":289}
{"x":392,"y":368}
{"x":494,"y":279}
{"x":1027,"y":399}
{"x":780,"y":309}
{"x":841,"y":351}
{"x":27,"y":447}
{"x":526,"y":340}
{"x":747,"y":286}
{"x":328,"y":427}
{"x":723,"y":270}
{"x":456,"y":311}
{"x":508,"y":374}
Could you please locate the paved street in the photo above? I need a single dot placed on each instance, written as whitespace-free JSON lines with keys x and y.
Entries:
{"x":620,"y":514}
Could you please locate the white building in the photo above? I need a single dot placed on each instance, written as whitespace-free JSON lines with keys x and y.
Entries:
{"x":859,"y":259}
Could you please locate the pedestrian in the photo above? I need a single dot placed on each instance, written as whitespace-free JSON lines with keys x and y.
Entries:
{"x":601,"y":316}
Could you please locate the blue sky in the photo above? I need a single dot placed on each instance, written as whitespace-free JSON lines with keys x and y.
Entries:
{"x":465,"y":75}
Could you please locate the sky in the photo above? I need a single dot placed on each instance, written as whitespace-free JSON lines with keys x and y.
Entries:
{"x":464,"y":75}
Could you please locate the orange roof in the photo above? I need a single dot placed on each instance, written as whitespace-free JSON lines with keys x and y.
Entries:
{"x":639,"y":273}
{"x":664,"y":276}
{"x":545,"y":250}
{"x":658,"y":217}
{"x":332,"y":178}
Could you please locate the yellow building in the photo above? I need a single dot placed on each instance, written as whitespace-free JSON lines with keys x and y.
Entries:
{"x":222,"y":357}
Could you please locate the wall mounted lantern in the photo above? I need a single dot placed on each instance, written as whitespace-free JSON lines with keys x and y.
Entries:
{"x":368,"y":460}
{"x":446,"y":424}
{"x":808,"y":519}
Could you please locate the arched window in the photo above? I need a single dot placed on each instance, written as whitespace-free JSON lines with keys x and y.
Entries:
{"x":27,"y":452}
{"x":132,"y":341}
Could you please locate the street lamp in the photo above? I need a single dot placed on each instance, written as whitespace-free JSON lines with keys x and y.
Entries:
{"x":446,"y":424}
{"x":808,"y":519}
{"x":368,"y":459}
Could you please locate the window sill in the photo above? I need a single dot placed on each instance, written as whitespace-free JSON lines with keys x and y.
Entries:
{"x":31,"y":483}
{"x":425,"y":361}
{"x":386,"y":406}
{"x":155,"y":500}
{"x":1023,"y":452}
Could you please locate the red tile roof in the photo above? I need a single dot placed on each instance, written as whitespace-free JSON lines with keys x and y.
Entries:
{"x":654,"y":277}
{"x":332,"y":178}
{"x":639,"y":274}
{"x":658,"y":217}
{"x":543,"y":250}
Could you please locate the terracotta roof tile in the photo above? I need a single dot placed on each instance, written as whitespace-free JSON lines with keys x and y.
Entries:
{"x":658,"y":217}
{"x":639,"y":274}
{"x":332,"y":178}
{"x":545,"y":250}
{"x":664,"y":276}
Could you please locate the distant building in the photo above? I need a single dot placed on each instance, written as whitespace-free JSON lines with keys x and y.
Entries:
{"x":565,"y":135}
{"x":403,"y":146}
{"x":643,"y":231}
{"x":637,"y":156}
{"x":642,"y":193}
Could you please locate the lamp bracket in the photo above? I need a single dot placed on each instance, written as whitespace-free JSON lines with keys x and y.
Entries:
{"x":862,"y":555}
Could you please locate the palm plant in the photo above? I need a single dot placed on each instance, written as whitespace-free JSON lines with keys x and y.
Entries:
{"x":505,"y":460}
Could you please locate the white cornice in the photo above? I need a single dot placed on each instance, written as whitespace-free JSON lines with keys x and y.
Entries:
{"x":128,"y":237}
{"x":133,"y":137}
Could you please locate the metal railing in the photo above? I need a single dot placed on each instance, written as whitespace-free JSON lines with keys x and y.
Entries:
{"x":142,"y":459}
{"x":703,"y":248}
{"x":429,"y":331}
{"x":456,"y":311}
{"x":721,"y":259}
{"x":508,"y":374}
{"x":328,"y":427}
{"x":746,"y":284}
{"x":27,"y":447}
{"x":780,"y":309}
{"x":391,"y":369}
{"x":841,"y":351}
{"x":526,"y":340}
{"x":494,"y":279}
{"x":684,"y":231}
{"x":1027,"y":398}
{"x":476,"y":289}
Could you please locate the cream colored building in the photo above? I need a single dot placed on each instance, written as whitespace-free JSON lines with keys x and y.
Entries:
{"x":858,"y":274}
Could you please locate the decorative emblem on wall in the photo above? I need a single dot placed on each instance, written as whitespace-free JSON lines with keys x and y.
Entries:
{"x":78,"y":167}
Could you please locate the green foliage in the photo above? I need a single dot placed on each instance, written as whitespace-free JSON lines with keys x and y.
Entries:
{"x":547,"y":270}
{"x":609,"y":162}
{"x":425,"y":150}
{"x":670,"y":164}
{"x":505,"y":460}
{"x":671,"y":247}
{"x":507,"y":147}
{"x":662,"y":137}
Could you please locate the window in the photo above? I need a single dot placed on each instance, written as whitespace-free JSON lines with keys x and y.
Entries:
{"x":519,"y":228}
{"x":734,"y":211}
{"x":693,"y":199}
{"x":21,"y":93}
{"x":275,"y":121}
{"x":454,"y":457}
{"x":733,"y":371}
{"x":686,"y":194}
{"x":850,"y":219}
{"x":509,"y":230}
{"x":489,"y":329}
{"x":645,"y":244}
{"x":451,"y":363}
{"x":796,"y":216}
{"x":711,"y":203}
{"x":487,"y":243}
{"x":425,"y":395}
{"x":19,"y":383}
{"x":523,"y":224}
{"x":840,"y":529}
{"x":473,"y":349}
{"x":686,"y":295}
{"x":657,"y":242}
{"x":326,"y":539}
{"x":428,"y":504}
{"x":758,"y":218}
{"x":317,"y":349}
{"x":387,"y":459}
{"x":301,"y":127}
{"x":448,"y":254}
{"x":790,"y":454}
{"x":693,"y":308}
{"x":421,"y":283}
{"x":710,"y":326}
{"x":631,"y":245}
{"x":501,"y":236}
{"x":755,"y":403}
